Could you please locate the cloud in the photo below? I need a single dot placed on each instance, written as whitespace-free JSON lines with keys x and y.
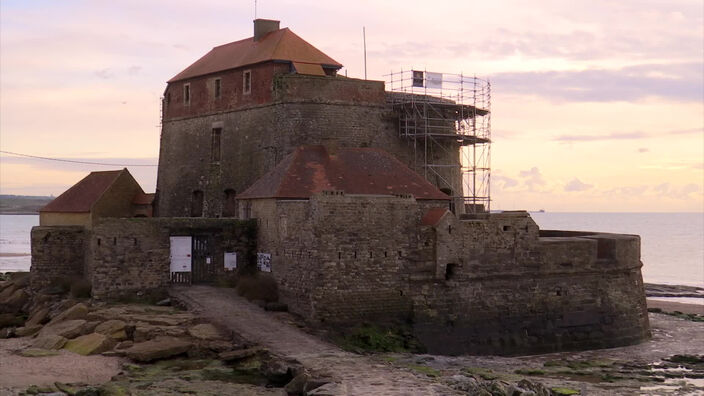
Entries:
{"x":105,"y":74}
{"x":681,"y":82}
{"x":532,"y":178}
{"x":679,"y":192}
{"x":643,"y":150}
{"x":504,"y":182}
{"x":577,"y":185}
{"x":610,"y":136}
{"x":134,"y":70}
{"x":624,"y":136}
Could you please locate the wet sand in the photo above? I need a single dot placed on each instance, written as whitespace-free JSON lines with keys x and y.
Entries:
{"x":668,"y":306}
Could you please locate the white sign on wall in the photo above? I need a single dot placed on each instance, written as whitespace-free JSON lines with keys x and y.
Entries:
{"x":230,"y":261}
{"x":433,"y":80}
{"x":264,"y":262}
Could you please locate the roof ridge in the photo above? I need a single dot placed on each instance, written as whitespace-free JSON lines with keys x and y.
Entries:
{"x":278,"y":42}
{"x":119,"y":173}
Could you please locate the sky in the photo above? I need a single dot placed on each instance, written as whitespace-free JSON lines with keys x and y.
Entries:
{"x":596,"y":105}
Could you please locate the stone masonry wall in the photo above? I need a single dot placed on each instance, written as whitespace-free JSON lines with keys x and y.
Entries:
{"x":57,"y":251}
{"x":490,"y":285}
{"x":334,"y":257}
{"x":132,"y":255}
{"x":512,"y":292}
{"x":306,"y":110}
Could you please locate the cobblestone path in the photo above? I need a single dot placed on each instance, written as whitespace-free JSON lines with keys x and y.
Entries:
{"x":355,"y":374}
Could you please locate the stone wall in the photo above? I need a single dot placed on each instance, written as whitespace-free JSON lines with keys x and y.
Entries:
{"x":132,"y":255}
{"x":487,"y":285}
{"x":57,"y":252}
{"x":510,"y":291}
{"x":305,"y":110}
{"x":334,"y":257}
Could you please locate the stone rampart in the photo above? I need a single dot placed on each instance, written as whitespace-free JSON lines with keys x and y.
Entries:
{"x":488,"y":285}
{"x":57,"y":252}
{"x":132,"y":255}
{"x":515,"y":292}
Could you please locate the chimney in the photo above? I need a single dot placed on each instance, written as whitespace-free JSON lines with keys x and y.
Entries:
{"x":264,"y":26}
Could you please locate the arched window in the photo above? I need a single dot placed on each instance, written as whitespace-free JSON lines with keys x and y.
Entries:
{"x":197,"y":204}
{"x":229,"y":204}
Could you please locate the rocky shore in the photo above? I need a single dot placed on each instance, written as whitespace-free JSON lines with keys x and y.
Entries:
{"x":54,"y":342}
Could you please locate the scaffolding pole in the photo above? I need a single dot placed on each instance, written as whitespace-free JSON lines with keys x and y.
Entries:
{"x":447,"y":120}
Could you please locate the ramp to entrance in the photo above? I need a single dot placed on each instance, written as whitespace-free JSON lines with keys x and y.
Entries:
{"x":356,"y":374}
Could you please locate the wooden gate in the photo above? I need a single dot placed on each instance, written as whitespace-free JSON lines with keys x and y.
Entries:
{"x":180,"y":256}
{"x":203,"y":259}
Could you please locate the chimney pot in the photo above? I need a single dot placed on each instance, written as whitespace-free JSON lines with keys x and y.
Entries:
{"x":264,"y":26}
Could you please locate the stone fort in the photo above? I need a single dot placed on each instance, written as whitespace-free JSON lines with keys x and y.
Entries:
{"x":364,"y":204}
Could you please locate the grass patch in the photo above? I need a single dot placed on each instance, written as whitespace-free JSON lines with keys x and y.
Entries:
{"x":686,"y":359}
{"x":371,"y":338}
{"x":565,"y":391}
{"x":389,"y":359}
{"x":686,"y":316}
{"x":429,"y":371}
{"x":486,"y":374}
{"x":530,"y":372}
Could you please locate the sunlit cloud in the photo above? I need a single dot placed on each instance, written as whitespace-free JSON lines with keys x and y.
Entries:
{"x":577,"y":185}
{"x":681,"y":82}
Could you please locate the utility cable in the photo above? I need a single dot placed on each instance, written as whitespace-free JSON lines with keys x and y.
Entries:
{"x":67,"y":160}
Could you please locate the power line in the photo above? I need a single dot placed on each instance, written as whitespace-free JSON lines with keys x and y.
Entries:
{"x":72,"y":161}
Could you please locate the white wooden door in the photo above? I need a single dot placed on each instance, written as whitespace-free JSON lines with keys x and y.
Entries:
{"x":181,"y":254}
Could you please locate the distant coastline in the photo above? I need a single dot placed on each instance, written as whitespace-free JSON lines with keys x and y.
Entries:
{"x":22,"y":204}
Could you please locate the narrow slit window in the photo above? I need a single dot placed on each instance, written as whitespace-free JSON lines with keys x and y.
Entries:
{"x":187,"y":94}
{"x":218,"y":88}
{"x":247,"y":82}
{"x":215,"y":144}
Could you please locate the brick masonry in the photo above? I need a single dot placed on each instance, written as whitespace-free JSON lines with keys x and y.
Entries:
{"x":298,"y":110}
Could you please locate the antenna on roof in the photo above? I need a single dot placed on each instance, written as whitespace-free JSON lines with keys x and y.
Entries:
{"x":364,"y":39}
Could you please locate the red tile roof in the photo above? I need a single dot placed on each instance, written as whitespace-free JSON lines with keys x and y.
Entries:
{"x":311,"y":169}
{"x":280,"y":45}
{"x":143,"y":199}
{"x":81,"y":197}
{"x":433,"y":216}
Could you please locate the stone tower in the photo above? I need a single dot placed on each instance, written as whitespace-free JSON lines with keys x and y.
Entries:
{"x":236,"y":112}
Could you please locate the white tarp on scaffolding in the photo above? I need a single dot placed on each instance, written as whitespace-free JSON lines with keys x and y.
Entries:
{"x":433,"y":80}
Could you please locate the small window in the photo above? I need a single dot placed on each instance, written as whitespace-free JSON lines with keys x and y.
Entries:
{"x":187,"y":94}
{"x":247,"y":82}
{"x":217,"y":88}
{"x":450,"y":271}
{"x":168,"y":98}
{"x":197,"y":204}
{"x":215,"y":145}
{"x":229,"y":205}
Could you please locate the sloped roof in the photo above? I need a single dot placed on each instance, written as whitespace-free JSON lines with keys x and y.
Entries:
{"x":281,"y":45}
{"x":81,"y":197}
{"x":433,"y":216}
{"x":311,"y":169}
{"x":143,"y":199}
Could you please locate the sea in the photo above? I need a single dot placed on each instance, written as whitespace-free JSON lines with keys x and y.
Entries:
{"x":672,"y":244}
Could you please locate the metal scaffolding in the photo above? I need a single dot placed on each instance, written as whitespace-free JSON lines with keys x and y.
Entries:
{"x":447,"y":120}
